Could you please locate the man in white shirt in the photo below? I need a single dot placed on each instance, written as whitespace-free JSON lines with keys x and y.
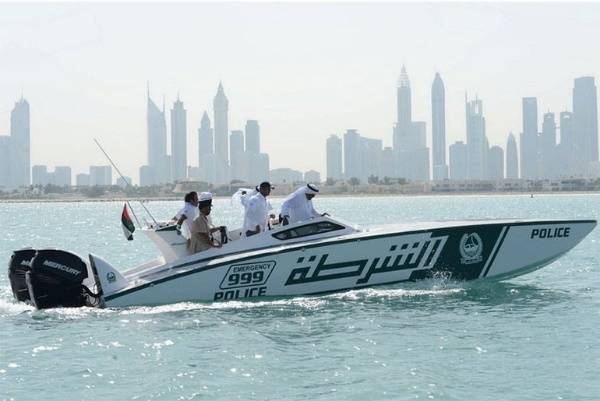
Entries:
{"x":257,"y":210}
{"x":298,"y":206}
{"x":189,"y":212}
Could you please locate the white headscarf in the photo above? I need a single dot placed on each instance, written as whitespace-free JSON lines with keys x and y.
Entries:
{"x":297,"y":206}
{"x":308,"y":189}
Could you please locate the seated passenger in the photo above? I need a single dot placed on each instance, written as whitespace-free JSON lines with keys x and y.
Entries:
{"x":201,"y":229}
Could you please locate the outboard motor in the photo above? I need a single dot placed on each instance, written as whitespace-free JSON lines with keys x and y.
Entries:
{"x":56,"y":279}
{"x":20,"y":263}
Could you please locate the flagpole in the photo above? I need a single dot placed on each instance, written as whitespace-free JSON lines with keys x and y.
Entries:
{"x":126,"y":183}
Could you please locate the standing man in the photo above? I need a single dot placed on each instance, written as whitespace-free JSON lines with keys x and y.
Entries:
{"x":188,"y":212}
{"x":298,"y":206}
{"x":257,"y":209}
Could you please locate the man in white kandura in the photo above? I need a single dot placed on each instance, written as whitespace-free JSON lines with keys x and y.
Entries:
{"x":257,"y":210}
{"x":298,"y":205}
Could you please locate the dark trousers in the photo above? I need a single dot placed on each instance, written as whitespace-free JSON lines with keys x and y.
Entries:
{"x":250,"y":233}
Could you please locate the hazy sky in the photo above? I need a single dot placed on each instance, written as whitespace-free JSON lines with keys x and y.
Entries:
{"x":305,"y":71}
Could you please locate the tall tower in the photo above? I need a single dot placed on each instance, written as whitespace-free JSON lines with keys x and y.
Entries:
{"x":237,"y":170}
{"x":585,"y":120}
{"x":179,"y":141}
{"x":477,"y":145}
{"x":252,"y":136}
{"x":438,"y":128}
{"x":206,"y":151}
{"x":404,"y":112}
{"x":548,"y":162}
{"x":221,"y":120}
{"x":20,"y":149}
{"x":334,"y":157}
{"x":512,"y":158}
{"x":567,"y":155}
{"x":529,"y":140}
{"x":158,"y":162}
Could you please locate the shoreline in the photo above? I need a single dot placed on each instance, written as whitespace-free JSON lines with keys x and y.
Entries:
{"x":344,"y":195}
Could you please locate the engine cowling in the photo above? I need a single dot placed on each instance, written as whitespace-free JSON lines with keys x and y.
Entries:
{"x":19,"y":265}
{"x":56,"y":279}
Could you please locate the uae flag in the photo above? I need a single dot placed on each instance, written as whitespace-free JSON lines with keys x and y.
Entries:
{"x":127,"y":224}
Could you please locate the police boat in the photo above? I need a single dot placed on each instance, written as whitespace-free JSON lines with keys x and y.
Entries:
{"x":318,"y":256}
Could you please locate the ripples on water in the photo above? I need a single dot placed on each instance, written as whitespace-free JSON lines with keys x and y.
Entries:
{"x":531,"y":338}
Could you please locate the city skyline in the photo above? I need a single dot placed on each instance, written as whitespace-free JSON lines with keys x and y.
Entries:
{"x":298,"y":103}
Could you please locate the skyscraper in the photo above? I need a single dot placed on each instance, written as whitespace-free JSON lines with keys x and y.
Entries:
{"x":159,"y":167}
{"x":352,"y":154}
{"x":5,"y":159}
{"x":529,"y":140}
{"x":238,"y":166}
{"x":476,"y":140}
{"x":404,"y":105}
{"x":206,"y":151}
{"x":334,"y":157}
{"x":547,"y":154}
{"x":409,"y":137}
{"x":221,"y":120}
{"x":566,"y":149}
{"x":585,"y":119}
{"x":179,"y":141}
{"x":458,"y":161}
{"x":39,"y":175}
{"x":20,"y":149}
{"x":62,"y":176}
{"x":512,"y":158}
{"x":438,"y":129}
{"x":100,"y":175}
{"x":495,"y":170}
{"x":252,"y":136}
{"x":403,"y":124}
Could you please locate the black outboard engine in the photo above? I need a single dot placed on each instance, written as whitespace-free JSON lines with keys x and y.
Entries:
{"x":20,"y":263}
{"x":56,"y":279}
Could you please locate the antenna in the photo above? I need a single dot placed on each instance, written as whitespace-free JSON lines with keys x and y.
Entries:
{"x":127,"y":183}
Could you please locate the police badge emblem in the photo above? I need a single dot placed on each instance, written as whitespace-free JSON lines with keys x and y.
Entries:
{"x":471,"y":248}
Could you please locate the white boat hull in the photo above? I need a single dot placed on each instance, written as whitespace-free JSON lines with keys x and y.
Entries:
{"x":461,"y":251}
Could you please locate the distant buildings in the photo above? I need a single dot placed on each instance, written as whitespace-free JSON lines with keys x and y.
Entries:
{"x":561,"y":148}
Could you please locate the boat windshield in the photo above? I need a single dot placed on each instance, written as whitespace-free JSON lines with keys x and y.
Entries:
{"x":308,"y":229}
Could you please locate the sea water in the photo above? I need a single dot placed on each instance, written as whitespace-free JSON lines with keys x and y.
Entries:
{"x":536,"y":337}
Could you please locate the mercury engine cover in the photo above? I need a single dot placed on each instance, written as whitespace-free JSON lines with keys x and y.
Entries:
{"x":20,"y":263}
{"x":56,"y":278}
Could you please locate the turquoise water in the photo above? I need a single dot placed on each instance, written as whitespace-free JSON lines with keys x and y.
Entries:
{"x":536,"y":337}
